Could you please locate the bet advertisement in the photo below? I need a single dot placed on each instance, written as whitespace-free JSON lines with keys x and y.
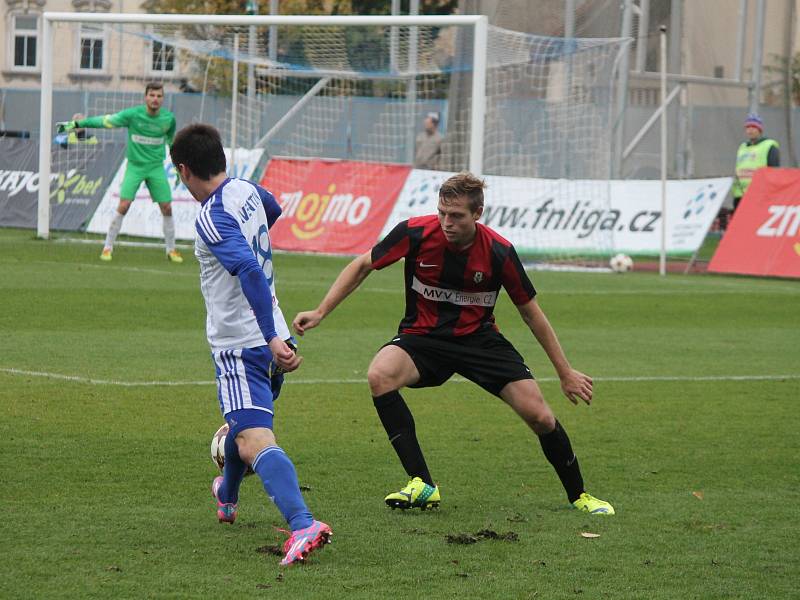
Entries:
{"x":79,"y":176}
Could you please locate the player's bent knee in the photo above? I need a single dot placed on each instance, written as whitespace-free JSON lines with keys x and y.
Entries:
{"x":252,"y":441}
{"x":544,"y":424}
{"x":380,"y":381}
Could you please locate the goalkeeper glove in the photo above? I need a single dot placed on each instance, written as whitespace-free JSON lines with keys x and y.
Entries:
{"x":64,"y":126}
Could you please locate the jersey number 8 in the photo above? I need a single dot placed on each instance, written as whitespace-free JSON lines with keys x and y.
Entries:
{"x":263,"y":253}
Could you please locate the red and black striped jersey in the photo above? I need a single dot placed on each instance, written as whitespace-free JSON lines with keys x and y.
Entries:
{"x":451,"y":291}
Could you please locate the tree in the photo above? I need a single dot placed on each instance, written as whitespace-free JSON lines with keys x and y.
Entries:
{"x":786,"y":70}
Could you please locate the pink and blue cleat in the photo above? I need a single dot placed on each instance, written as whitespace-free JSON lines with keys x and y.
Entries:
{"x":226,"y":511}
{"x":303,"y":542}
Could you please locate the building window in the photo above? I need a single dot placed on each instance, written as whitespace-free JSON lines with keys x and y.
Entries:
{"x":719,"y":72}
{"x":163,"y":58}
{"x":92,"y":43}
{"x":26,"y":35}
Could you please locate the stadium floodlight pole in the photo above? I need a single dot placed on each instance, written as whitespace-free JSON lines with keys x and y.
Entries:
{"x":252,"y":9}
{"x":641,"y":37}
{"x":740,"y":33}
{"x":758,"y":54}
{"x":394,"y":35}
{"x":411,"y":84}
{"x":479,"y":23}
{"x":235,"y":103}
{"x":622,"y":91}
{"x":45,"y":133}
{"x":273,"y":31}
{"x":662,"y":262}
{"x":566,"y":84}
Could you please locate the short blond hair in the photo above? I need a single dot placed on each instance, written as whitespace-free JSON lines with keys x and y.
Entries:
{"x":463,"y":184}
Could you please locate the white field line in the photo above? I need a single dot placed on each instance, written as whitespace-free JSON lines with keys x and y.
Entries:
{"x":171,"y":271}
{"x":363,"y":380}
{"x":132,"y":244}
{"x":715,"y":288}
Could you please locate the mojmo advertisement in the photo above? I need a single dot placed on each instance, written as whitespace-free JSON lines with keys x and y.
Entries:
{"x":144,"y":218}
{"x":581,"y":215}
{"x":336,"y":207}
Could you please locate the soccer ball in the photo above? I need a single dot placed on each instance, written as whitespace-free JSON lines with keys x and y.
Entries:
{"x":621,"y":263}
{"x":218,"y":448}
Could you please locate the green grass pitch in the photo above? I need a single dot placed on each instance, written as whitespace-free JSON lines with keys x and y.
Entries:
{"x":107,"y":407}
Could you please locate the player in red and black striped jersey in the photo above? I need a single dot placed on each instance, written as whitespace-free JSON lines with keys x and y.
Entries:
{"x":451,"y":291}
{"x":454,"y":269}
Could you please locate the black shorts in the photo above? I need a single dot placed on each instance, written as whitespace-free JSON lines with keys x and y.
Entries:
{"x":485,"y":358}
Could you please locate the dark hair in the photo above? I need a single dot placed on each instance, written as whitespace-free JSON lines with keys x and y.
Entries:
{"x":199,"y":147}
{"x":153,"y":85}
{"x":463,"y":184}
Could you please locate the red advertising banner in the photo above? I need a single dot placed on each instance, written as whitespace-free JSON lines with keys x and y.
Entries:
{"x":762,"y":238}
{"x":331,"y":206}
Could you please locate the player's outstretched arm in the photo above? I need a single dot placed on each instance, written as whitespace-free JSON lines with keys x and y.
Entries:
{"x":347,"y":281}
{"x":574,"y":384}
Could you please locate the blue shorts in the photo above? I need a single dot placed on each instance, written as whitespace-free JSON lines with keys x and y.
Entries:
{"x":247,"y":387}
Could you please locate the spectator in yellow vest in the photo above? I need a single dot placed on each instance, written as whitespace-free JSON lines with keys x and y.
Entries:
{"x":758,"y":151}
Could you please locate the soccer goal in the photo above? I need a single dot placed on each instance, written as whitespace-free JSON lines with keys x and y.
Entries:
{"x":531,"y":114}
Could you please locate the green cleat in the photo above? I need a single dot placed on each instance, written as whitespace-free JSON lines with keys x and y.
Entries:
{"x":175,"y":257}
{"x":416,"y":494}
{"x":593,"y":505}
{"x":105,"y":255}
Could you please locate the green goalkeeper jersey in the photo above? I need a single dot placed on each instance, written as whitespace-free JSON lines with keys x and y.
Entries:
{"x":148,"y":135}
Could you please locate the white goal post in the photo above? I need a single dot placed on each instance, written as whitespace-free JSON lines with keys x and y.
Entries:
{"x":478,"y":23}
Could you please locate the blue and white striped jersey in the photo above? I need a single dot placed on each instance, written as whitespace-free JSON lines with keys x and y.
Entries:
{"x":233,"y":248}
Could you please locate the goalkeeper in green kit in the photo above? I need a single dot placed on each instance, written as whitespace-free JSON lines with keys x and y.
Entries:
{"x":150,"y":129}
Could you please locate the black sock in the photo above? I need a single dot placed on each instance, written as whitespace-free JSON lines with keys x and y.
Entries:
{"x":399,"y":425}
{"x":558,"y":451}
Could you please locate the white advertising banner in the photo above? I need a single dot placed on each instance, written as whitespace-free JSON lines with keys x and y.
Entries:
{"x":144,"y":217}
{"x":581,"y":216}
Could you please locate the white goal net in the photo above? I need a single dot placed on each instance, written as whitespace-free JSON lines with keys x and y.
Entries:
{"x":341,"y":90}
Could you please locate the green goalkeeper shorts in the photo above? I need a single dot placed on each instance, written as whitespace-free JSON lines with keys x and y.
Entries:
{"x":153,"y":176}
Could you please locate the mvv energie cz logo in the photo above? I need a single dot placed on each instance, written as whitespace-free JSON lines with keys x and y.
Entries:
{"x":312,"y":211}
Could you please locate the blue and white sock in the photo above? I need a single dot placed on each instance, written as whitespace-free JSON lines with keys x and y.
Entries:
{"x":280,"y":482}
{"x":232,"y":473}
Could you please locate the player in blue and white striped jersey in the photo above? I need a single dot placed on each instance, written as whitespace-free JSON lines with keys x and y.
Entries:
{"x":246,"y":330}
